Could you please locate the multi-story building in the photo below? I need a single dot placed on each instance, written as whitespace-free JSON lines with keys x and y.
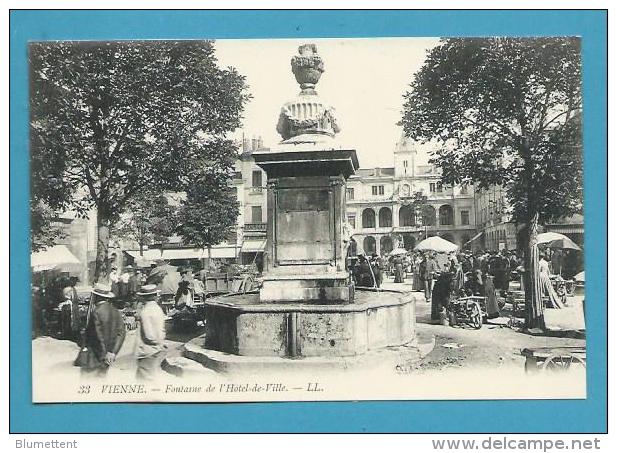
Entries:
{"x":401,"y":205}
{"x":250,"y":183}
{"x":497,"y":231}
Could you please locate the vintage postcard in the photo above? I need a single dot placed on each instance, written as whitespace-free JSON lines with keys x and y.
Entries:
{"x":307,"y":220}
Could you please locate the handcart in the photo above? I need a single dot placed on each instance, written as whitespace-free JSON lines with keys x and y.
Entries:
{"x":554,"y":359}
{"x":470,"y":310}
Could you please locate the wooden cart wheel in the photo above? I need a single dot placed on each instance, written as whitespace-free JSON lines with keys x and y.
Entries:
{"x":475,"y":316}
{"x":561,"y":362}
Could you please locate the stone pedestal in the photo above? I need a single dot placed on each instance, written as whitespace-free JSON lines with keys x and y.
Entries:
{"x":306,"y":241}
{"x":306,"y":307}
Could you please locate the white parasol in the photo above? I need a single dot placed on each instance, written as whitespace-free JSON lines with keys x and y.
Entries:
{"x":436,"y":244}
{"x":557,"y":241}
{"x":398,"y":251}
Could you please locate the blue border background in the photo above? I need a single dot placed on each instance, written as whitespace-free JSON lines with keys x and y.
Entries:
{"x":579,"y":416}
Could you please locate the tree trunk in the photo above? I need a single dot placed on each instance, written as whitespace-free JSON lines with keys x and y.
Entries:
{"x":534,"y":310}
{"x":209,"y":258}
{"x":102,"y":248}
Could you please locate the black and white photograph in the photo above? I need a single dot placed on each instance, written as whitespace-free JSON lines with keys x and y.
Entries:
{"x":307,"y":219}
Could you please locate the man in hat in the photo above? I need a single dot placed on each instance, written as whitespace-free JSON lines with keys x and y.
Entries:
{"x":376,"y":266}
{"x":151,"y":350}
{"x":105,"y":332}
{"x":429,"y":272}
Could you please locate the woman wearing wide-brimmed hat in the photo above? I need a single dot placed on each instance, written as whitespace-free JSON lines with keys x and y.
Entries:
{"x":104,"y":333}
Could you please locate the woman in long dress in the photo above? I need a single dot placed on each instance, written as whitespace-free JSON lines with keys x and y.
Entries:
{"x":398,"y":270}
{"x":546,"y":285}
{"x":492,"y":307}
{"x":417,"y":280}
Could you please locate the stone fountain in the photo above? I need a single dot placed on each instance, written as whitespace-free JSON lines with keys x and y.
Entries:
{"x":307,"y":306}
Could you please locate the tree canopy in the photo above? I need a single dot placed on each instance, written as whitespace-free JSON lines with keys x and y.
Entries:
{"x":129,"y":118}
{"x":210,"y":209}
{"x":49,"y":193}
{"x":504,"y":111}
{"x":148,"y":219}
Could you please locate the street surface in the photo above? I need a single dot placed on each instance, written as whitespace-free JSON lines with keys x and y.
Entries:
{"x":495,"y":344}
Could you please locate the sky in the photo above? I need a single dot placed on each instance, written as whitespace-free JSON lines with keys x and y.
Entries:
{"x":364,"y":80}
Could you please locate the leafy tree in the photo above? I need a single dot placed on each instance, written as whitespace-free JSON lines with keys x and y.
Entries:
{"x":130,"y":118}
{"x":45,"y":233}
{"x":210,"y":211}
{"x":506,"y":111}
{"x":148,"y":219}
{"x":49,"y":193}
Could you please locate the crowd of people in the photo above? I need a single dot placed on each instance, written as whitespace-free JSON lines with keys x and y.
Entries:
{"x":424,"y":267}
{"x":59,"y":310}
{"x":464,"y":273}
{"x":98,"y":321}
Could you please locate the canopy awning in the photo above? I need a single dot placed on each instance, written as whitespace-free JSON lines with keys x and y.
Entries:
{"x":189,"y":253}
{"x":52,"y":257}
{"x":254,"y":245}
{"x":150,"y":254}
{"x":477,"y":236}
{"x":564,"y":229}
{"x":222,"y":251}
{"x":183,"y":254}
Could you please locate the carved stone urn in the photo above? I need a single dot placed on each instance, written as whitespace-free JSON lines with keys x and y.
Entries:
{"x":307,"y":67}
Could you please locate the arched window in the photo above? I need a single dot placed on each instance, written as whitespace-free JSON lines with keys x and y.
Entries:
{"x":368,"y":218}
{"x":385,"y":245}
{"x":428,"y":216}
{"x":406,"y":216}
{"x":409,"y":241}
{"x":446,"y":215}
{"x":369,"y":245}
{"x":385,"y":217}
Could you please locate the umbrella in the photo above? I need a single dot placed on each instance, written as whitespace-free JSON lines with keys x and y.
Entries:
{"x":436,"y":244}
{"x":580,"y":277}
{"x":557,"y":241}
{"x":158,"y":273}
{"x":550,"y":236}
{"x":565,"y":243}
{"x":398,"y":251}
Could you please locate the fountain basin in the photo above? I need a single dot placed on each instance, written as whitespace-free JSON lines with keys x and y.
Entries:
{"x":242,"y":325}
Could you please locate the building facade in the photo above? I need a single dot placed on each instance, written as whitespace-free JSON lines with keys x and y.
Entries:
{"x":401,"y":205}
{"x":497,"y":231}
{"x":250,"y":183}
